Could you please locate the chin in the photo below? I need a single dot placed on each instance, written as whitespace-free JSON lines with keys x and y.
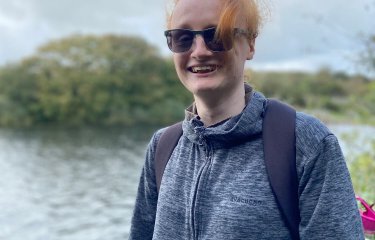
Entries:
{"x":205,"y":89}
{"x":198,"y":85}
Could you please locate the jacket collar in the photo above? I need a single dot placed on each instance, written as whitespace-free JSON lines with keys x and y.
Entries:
{"x":237,"y":129}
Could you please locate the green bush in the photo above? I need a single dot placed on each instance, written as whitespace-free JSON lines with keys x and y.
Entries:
{"x":362,"y":171}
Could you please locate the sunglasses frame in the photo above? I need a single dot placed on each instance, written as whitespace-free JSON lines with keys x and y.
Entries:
{"x":203,"y":33}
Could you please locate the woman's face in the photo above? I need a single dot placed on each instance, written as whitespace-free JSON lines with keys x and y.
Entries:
{"x":202,"y":72}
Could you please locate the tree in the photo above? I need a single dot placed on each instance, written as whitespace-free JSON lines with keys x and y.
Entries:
{"x":367,"y":57}
{"x":90,"y":79}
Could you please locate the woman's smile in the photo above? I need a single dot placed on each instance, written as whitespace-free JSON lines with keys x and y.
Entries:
{"x":203,"y":68}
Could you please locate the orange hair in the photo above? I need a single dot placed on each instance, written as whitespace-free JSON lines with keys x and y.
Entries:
{"x":246,"y":10}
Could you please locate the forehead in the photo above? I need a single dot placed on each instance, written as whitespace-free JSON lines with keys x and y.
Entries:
{"x":196,"y":13}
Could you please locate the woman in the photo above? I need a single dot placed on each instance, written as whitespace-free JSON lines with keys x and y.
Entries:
{"x":215,"y":185}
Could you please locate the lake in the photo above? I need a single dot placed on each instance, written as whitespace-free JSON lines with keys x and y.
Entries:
{"x":80,"y":184}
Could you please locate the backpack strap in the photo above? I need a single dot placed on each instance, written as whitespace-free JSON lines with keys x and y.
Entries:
{"x":164,"y":148}
{"x":280,"y":158}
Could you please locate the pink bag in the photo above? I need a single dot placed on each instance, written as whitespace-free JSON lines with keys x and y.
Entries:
{"x":368,"y":217}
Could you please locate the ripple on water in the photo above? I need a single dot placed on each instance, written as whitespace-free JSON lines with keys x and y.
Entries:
{"x":67,"y":185}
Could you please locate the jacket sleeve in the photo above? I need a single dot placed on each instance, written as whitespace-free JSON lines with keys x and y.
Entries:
{"x":327,"y":201}
{"x":142,"y":225}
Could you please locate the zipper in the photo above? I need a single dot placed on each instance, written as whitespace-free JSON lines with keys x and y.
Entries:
{"x":193,"y":213}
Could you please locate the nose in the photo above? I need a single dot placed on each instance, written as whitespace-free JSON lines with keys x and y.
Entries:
{"x":199,"y":47}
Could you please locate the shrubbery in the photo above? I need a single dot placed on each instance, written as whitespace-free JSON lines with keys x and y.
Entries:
{"x":120,"y":80}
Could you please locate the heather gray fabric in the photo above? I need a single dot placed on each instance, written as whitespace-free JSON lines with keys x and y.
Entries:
{"x":215,"y":185}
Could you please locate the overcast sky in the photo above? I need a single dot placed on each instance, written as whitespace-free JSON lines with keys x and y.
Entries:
{"x":299,"y":35}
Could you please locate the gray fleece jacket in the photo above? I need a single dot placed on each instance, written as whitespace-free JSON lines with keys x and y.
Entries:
{"x":215,"y":185}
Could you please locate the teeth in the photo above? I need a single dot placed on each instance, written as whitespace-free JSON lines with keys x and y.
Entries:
{"x":203,"y":69}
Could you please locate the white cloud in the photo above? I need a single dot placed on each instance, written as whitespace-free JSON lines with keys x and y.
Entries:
{"x":300,"y":35}
{"x":7,"y":23}
{"x":338,"y":61}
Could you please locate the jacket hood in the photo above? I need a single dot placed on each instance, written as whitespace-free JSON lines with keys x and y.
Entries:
{"x":233,"y":131}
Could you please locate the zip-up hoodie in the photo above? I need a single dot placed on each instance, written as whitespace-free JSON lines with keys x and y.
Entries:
{"x":215,"y":185}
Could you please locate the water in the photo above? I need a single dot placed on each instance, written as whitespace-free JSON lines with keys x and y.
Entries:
{"x":354,"y":139}
{"x":59,"y":184}
{"x":68,"y":184}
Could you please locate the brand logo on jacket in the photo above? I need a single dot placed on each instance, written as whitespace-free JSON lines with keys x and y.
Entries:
{"x":248,"y":201}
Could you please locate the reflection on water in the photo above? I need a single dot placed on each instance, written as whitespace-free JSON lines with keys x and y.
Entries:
{"x":80,"y":184}
{"x":60,"y":184}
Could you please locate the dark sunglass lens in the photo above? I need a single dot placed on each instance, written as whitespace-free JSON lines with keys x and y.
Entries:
{"x":169,"y":41}
{"x":213,"y":44}
{"x":181,"y":40}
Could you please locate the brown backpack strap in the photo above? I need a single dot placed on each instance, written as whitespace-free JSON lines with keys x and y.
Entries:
{"x":280,"y":158}
{"x":164,"y":148}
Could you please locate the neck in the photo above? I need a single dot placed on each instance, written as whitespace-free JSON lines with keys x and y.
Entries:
{"x":217,"y":109}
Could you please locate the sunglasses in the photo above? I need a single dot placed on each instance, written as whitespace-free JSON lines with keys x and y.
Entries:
{"x":181,"y":40}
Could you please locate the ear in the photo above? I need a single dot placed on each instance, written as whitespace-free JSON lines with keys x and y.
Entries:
{"x":251,"y":51}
